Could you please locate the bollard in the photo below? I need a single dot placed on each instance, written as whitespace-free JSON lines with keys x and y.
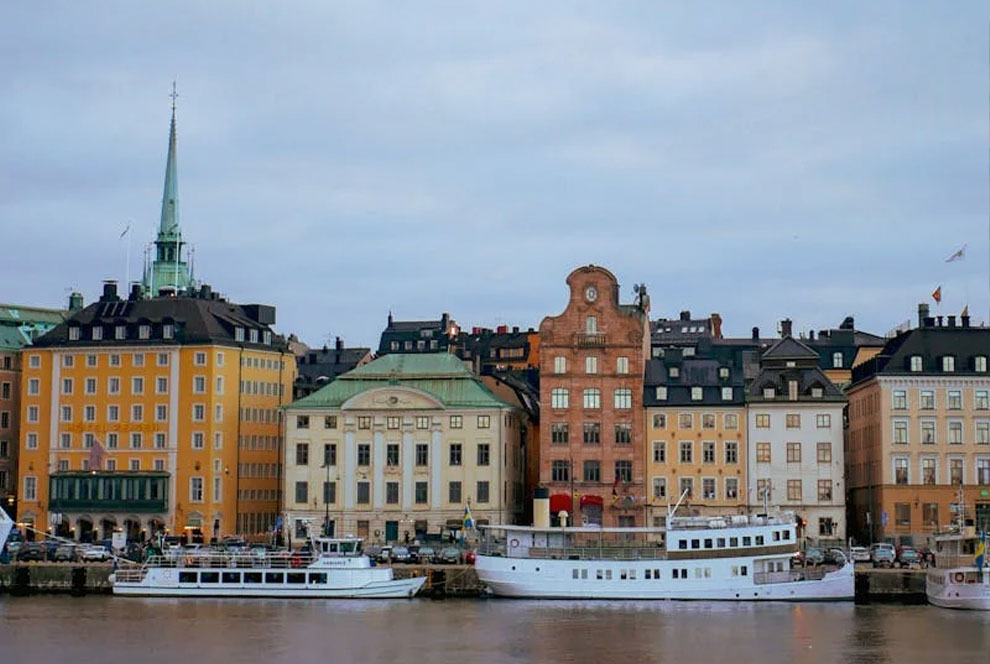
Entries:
{"x":438,"y":583}
{"x":78,"y":581}
{"x":22,"y":581}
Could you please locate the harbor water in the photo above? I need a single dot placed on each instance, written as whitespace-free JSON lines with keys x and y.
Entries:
{"x":108,"y":630}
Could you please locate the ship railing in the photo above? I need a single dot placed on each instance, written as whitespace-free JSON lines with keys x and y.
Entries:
{"x":239,"y":560}
{"x":130,"y":575}
{"x":789,"y":576}
{"x":577,"y":553}
{"x":948,"y":561}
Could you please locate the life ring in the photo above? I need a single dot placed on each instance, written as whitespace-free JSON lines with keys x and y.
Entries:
{"x":378,"y":533}
{"x":295,"y":560}
{"x":514,"y":543}
{"x":958,"y":577}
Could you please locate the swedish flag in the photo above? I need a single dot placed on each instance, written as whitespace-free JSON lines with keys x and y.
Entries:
{"x":981,"y":550}
{"x":468,"y":519}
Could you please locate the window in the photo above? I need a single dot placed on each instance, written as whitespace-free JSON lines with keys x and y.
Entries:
{"x":329,"y":492}
{"x":955,"y":471}
{"x":592,"y":471}
{"x":708,"y":451}
{"x":731,"y":451}
{"x":393,"y":422}
{"x":195,"y":489}
{"x":659,"y":487}
{"x":560,"y":471}
{"x":592,"y":433}
{"x":793,"y":452}
{"x":454,"y":457}
{"x":916,"y":363}
{"x":928,"y":471}
{"x":199,"y":412}
{"x":763,"y":421}
{"x":823,"y":421}
{"x":769,"y":392}
{"x":34,"y":361}
{"x":928,"y":432}
{"x":219,"y":385}
{"x":199,"y":384}
{"x":623,"y":470}
{"x":623,"y":433}
{"x":623,"y":398}
{"x":31,"y":441}
{"x":731,"y":488}
{"x":422,"y":454}
{"x":484,"y":454}
{"x":900,"y":470}
{"x":591,"y":325}
{"x":687,"y":451}
{"x":902,"y":514}
{"x":793,"y":489}
{"x":955,"y":432}
{"x":161,"y":412}
{"x":559,"y":398}
{"x":66,"y":413}
{"x":456,"y":422}
{"x":454,"y":492}
{"x":199,"y":359}
{"x":329,"y":454}
{"x":30,"y":488}
{"x":685,"y":420}
{"x":364,"y":422}
{"x":422,"y":493}
{"x":392,"y":493}
{"x":302,"y":421}
{"x":484,"y":421}
{"x":330,"y":422}
{"x":559,"y":365}
{"x":162,"y":359}
{"x":111,"y":442}
{"x":948,"y":364}
{"x":661,"y":393}
{"x":160,"y":440}
{"x":696,"y":394}
{"x":824,"y":452}
{"x":363,"y":492}
{"x":622,"y":365}
{"x":66,"y":386}
{"x":793,"y":421}
{"x":659,"y":421}
{"x":686,"y":485}
{"x":68,"y":361}
{"x":726,"y":394}
{"x":592,"y":398}
{"x":659,"y":451}
{"x":302,"y":454}
{"x":198,"y":440}
{"x":836,"y":360}
{"x":483,"y":491}
{"x":983,"y":471}
{"x":708,"y":421}
{"x":559,"y":433}
{"x":34,"y":386}
{"x":981,"y":431}
{"x":591,"y":364}
{"x":929,"y":514}
{"x":137,"y":413}
{"x":954,"y":400}
{"x":763,"y":452}
{"x":730,"y":421}
{"x":674,"y":372}
{"x":65,"y":440}
{"x":926,"y":400}
{"x":422,"y":422}
{"x":981,"y":399}
{"x":708,"y":488}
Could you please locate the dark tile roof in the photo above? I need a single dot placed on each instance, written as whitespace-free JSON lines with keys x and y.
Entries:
{"x":692,"y":372}
{"x":408,"y":334}
{"x":931,"y":344}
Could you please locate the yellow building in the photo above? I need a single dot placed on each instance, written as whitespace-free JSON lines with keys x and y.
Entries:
{"x":145,"y":414}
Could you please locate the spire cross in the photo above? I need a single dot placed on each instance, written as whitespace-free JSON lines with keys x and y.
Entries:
{"x":174,"y":96}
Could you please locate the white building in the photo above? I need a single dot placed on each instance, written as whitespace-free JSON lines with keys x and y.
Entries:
{"x":398,"y":448}
{"x":796,"y":457}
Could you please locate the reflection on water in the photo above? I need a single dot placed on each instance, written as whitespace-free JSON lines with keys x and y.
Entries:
{"x":107,"y":630}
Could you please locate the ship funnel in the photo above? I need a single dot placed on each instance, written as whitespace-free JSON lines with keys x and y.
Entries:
{"x":541,"y":507}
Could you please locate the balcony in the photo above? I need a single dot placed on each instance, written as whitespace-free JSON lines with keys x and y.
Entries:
{"x":587,"y":340}
{"x":132,"y":491}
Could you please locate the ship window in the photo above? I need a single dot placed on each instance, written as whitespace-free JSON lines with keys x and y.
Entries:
{"x":231,"y":577}
{"x":787,"y":534}
{"x":759,"y":540}
{"x":721,"y":542}
{"x":598,"y":575}
{"x":676,"y":574}
{"x":187,"y":577}
{"x":708,"y":543}
{"x":209,"y":577}
{"x":647,"y":574}
{"x":747,"y":541}
{"x":656,"y":574}
{"x":296,"y":577}
{"x":776,"y":536}
{"x":695,"y":544}
{"x":733,"y":541}
{"x":252,"y":577}
{"x":682,"y":544}
{"x":584,"y":574}
{"x":574,"y":573}
{"x":622,"y":574}
{"x":608,"y":575}
{"x":742,"y":570}
{"x":320,"y":577}
{"x":274,"y":577}
{"x":632,"y":575}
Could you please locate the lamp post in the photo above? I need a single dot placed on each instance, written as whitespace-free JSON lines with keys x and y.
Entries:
{"x":326,"y":503}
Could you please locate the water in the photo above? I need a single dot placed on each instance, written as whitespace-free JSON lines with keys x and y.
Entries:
{"x":108,"y":630}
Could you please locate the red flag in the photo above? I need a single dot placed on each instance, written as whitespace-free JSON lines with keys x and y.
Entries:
{"x":937,"y":294}
{"x":96,"y":453}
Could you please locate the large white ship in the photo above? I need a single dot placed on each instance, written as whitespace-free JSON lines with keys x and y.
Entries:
{"x":337,"y":568}
{"x":960,"y":575}
{"x":705,"y":558}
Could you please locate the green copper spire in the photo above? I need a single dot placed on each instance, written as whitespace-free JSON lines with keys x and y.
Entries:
{"x":169,"y":271}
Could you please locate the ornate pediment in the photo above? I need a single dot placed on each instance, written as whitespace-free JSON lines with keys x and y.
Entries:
{"x":393,"y":397}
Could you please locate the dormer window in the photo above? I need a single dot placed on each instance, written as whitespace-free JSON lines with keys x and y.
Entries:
{"x":144,"y":332}
{"x":916,"y":363}
{"x":791,"y":364}
{"x":267,"y":338}
{"x":817,"y":392}
{"x":97,"y":333}
{"x":689,"y":351}
{"x":253,"y":336}
{"x":723,"y":372}
{"x":695,"y":394}
{"x":168,"y":331}
{"x":673,"y":372}
{"x":74,"y":333}
{"x":769,"y":393}
{"x":661,"y":393}
{"x":792,"y":390}
{"x":836,"y":360}
{"x":726,"y":394}
{"x":238,"y":334}
{"x":980,"y":363}
{"x":120,"y":332}
{"x":948,"y":364}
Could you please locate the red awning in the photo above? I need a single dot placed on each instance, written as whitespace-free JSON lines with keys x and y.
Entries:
{"x":592,"y":500}
{"x":560,"y":502}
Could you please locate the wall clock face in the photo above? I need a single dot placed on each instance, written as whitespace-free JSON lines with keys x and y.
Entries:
{"x":591,"y":293}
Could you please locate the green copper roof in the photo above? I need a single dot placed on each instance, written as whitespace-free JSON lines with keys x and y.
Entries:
{"x":170,"y":196}
{"x":441,"y":375}
{"x":13,"y":314}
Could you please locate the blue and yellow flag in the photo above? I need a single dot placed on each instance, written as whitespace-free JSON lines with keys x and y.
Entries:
{"x":468,"y":519}
{"x":981,"y":550}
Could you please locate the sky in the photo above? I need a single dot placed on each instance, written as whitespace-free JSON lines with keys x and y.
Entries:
{"x":340,"y":160}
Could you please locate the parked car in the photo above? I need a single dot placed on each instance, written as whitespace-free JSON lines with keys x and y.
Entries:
{"x":813,"y":557}
{"x":31,"y":551}
{"x":65,"y":553}
{"x":400,"y":554}
{"x":882,"y":555}
{"x":426,"y":555}
{"x":451,"y":555}
{"x":385,"y":555}
{"x":469,"y":557}
{"x":835,"y":556}
{"x":93,"y":552}
{"x":907,"y":556}
{"x":859,"y":554}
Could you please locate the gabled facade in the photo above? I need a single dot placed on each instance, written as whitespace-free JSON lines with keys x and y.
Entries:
{"x":592,"y":358}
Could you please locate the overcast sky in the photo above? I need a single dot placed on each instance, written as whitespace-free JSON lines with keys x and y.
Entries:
{"x":341,"y":159}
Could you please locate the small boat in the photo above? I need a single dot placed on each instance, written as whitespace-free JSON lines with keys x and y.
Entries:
{"x":336,"y":568}
{"x":738,"y":558}
{"x":959,"y":578}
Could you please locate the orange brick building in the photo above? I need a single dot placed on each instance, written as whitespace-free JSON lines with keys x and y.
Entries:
{"x":592,"y":358}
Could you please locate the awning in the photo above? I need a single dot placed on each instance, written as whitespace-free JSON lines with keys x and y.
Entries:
{"x":588,"y":500}
{"x":560,"y":502}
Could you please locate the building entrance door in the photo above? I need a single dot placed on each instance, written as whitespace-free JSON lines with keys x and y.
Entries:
{"x":391,"y":531}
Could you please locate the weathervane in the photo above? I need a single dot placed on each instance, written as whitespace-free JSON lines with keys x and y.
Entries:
{"x":174,"y":96}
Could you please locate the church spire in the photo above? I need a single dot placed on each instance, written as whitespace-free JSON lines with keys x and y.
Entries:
{"x":170,"y":197}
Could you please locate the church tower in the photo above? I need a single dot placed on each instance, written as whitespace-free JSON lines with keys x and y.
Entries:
{"x":168,"y":270}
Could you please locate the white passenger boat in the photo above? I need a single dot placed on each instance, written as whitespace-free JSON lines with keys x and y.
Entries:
{"x":6,"y":525}
{"x":960,"y":575}
{"x":337,"y":568}
{"x":705,"y":558}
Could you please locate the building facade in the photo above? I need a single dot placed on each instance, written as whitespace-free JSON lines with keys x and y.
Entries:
{"x":919,"y":431}
{"x":318,"y":366}
{"x":592,"y":358}
{"x":398,"y":448}
{"x":795,"y":436}
{"x":695,"y":435}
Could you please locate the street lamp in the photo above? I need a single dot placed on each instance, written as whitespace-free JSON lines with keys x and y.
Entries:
{"x":326,"y":503}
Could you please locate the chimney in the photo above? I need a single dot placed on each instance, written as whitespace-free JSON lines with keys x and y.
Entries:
{"x":756,"y":334}
{"x":685,"y":315}
{"x":444,"y":321}
{"x":785,"y":328}
{"x":952,"y":321}
{"x":515,"y":329}
{"x":964,"y":320}
{"x":339,"y":344}
{"x":502,"y":329}
{"x":109,"y":291}
{"x":206,"y":292}
{"x":390,"y":318}
{"x":135,"y":293}
{"x":928,"y":321}
{"x":716,"y":326}
{"x":939,"y":319}
{"x":76,"y":302}
{"x":922,"y":314}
